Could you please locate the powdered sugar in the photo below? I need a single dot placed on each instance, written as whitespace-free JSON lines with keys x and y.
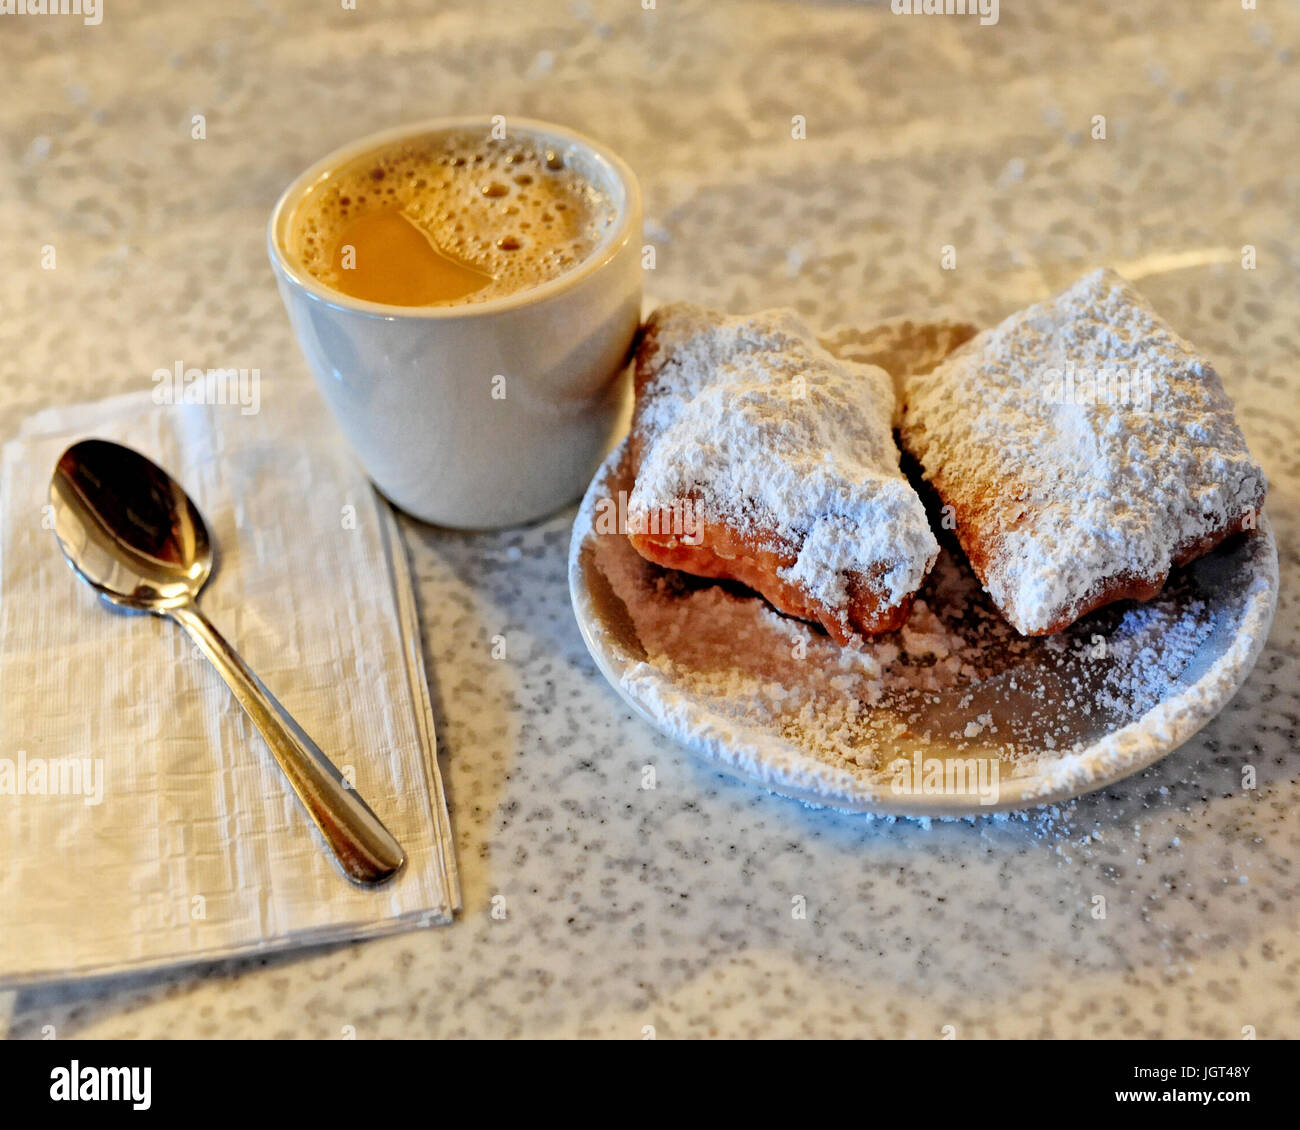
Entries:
{"x":1151,"y":647}
{"x":778,"y":439}
{"x":1085,"y":444}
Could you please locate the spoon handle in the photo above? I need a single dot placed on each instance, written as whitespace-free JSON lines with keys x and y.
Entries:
{"x":364,"y":848}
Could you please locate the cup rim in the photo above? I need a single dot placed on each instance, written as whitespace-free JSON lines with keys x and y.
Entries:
{"x":629,"y":210}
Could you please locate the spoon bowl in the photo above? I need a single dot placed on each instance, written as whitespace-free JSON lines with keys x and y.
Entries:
{"x":127,"y":528}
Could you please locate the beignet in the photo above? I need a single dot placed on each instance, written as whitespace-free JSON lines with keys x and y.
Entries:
{"x":1083,"y":449}
{"x":782,"y":461}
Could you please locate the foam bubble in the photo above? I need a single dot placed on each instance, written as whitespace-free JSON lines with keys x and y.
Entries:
{"x":513,"y":209}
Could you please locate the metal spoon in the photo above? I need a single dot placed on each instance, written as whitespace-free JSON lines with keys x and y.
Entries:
{"x":130,"y":532}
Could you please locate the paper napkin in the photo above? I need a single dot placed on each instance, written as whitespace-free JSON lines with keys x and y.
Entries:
{"x":143,"y":822}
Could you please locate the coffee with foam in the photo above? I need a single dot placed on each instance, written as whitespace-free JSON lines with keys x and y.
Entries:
{"x":449,"y":219}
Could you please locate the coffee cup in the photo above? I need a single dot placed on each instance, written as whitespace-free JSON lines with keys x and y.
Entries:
{"x":477,"y":414}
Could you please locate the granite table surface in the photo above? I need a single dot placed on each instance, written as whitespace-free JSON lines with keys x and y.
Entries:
{"x":1157,"y":138}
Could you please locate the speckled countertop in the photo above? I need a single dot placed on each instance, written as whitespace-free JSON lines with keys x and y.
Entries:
{"x":671,"y":908}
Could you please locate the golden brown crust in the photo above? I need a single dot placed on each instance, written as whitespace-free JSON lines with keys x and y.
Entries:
{"x":982,"y":518}
{"x":724,"y":554}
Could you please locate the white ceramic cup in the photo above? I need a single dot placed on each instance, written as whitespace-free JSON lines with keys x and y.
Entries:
{"x":486,"y":414}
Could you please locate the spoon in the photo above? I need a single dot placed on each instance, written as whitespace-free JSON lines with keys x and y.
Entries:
{"x":133,"y":535}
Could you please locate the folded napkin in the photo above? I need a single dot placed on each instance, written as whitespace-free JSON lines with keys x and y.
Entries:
{"x":171,"y":836}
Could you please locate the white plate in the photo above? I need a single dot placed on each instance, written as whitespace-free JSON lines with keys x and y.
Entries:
{"x":1030,"y":721}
